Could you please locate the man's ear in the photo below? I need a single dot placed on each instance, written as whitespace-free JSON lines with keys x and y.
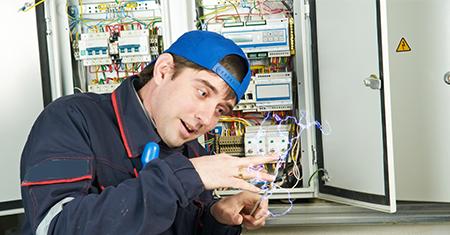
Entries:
{"x":164,"y":68}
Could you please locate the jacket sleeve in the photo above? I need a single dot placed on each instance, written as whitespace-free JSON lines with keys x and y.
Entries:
{"x":61,"y":200}
{"x":208,"y":224}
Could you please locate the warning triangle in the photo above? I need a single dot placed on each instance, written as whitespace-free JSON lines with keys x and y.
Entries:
{"x":403,"y":46}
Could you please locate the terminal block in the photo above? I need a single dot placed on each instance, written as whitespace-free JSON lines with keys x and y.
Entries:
{"x":233,"y":145}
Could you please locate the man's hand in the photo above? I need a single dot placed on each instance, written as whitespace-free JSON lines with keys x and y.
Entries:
{"x":236,"y":210}
{"x":225,"y":171}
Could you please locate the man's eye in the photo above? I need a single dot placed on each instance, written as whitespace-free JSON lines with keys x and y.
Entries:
{"x":202,"y":93}
{"x":221,"y":111}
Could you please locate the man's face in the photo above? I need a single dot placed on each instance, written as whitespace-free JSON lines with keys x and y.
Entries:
{"x":189,"y":105}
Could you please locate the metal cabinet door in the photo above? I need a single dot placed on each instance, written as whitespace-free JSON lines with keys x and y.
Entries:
{"x":351,"y":80}
{"x":421,"y":97}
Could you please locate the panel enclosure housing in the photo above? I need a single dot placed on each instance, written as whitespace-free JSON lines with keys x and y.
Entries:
{"x":346,"y":149}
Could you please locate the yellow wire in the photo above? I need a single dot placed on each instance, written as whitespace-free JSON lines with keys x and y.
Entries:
{"x":295,"y":147}
{"x":81,"y":9}
{"x":235,"y":8}
{"x":219,"y":10}
{"x":234,"y":119}
{"x":35,"y":5}
{"x":96,"y":72}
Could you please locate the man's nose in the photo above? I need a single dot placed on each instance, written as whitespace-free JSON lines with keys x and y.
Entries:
{"x":205,"y":115}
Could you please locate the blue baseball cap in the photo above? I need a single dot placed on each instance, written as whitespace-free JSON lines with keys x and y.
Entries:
{"x":207,"y":49}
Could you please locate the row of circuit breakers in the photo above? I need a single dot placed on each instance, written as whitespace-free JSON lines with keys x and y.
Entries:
{"x":129,"y":47}
{"x":257,"y":141}
{"x":118,"y":46}
{"x":268,"y":38}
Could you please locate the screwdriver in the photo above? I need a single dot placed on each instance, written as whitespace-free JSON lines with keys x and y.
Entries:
{"x":151,"y":151}
{"x":252,"y":212}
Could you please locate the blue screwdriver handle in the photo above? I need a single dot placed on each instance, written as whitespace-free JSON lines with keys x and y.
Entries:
{"x":151,"y":151}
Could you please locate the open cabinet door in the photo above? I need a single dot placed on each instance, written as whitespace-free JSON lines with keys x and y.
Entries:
{"x":351,"y":95}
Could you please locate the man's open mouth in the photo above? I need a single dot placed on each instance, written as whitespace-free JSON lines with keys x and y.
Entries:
{"x":187,"y":127}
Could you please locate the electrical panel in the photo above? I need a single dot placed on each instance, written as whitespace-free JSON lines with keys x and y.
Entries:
{"x":263,"y":122}
{"x":112,"y":40}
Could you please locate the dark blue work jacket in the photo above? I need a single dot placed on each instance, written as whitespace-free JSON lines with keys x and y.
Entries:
{"x":81,"y":172}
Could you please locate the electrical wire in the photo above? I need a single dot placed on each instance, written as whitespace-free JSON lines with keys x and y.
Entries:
{"x":79,"y":89}
{"x":234,"y":119}
{"x":235,"y":8}
{"x":313,"y":174}
{"x":29,"y":6}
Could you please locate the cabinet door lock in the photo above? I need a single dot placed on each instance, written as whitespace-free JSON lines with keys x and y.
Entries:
{"x":373,"y":82}
{"x":447,"y":78}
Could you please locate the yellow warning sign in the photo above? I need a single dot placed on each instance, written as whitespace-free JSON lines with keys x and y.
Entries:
{"x":403,"y":46}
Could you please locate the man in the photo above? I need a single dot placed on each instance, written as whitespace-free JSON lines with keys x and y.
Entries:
{"x":81,"y":171}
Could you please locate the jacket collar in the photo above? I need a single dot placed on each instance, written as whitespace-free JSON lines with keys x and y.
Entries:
{"x":136,"y":130}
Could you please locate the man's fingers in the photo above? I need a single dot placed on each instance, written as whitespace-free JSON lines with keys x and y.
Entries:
{"x":238,"y":219}
{"x":253,"y":161}
{"x":249,"y":173}
{"x":262,"y":209}
{"x":260,"y":176}
{"x":248,"y":219}
{"x":261,"y":213}
{"x":251,"y":223}
{"x":244,"y":185}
